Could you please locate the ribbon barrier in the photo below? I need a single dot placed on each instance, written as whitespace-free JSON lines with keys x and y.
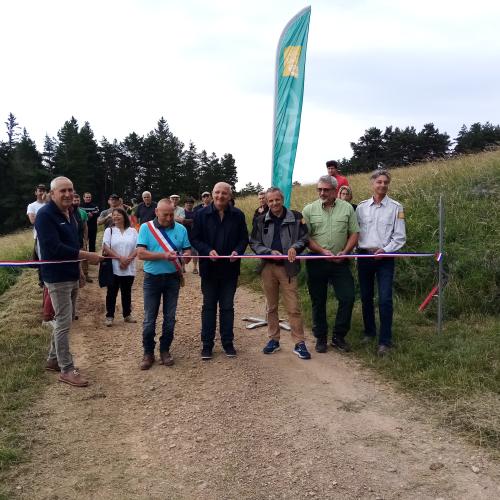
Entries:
{"x":437,"y":256}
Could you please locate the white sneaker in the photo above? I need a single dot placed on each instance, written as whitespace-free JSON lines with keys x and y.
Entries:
{"x":49,"y":324}
{"x":129,"y":319}
{"x":108,"y":322}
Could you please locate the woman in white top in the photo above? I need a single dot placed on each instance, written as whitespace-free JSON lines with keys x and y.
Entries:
{"x":119,"y":242}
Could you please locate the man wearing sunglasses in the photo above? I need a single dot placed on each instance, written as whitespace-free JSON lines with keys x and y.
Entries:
{"x":333,"y":231}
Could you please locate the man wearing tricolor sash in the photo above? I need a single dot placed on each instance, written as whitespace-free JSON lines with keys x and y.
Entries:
{"x":159,"y":244}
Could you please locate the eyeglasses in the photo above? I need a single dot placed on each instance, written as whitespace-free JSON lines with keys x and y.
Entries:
{"x":326,"y":190}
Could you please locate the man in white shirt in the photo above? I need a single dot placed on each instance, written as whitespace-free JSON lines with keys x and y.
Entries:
{"x":33,"y":208}
{"x":382,"y":230}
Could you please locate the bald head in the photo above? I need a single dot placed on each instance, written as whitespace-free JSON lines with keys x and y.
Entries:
{"x":165,"y":212}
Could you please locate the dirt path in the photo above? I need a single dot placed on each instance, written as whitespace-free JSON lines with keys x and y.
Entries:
{"x":251,"y":427}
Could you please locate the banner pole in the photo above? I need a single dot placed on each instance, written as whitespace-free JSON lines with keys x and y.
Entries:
{"x":441,"y":266}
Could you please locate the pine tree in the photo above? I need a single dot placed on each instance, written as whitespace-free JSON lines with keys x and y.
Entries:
{"x":12,"y":133}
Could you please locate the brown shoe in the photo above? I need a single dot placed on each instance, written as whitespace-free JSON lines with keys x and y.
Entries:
{"x":166,"y":359}
{"x":73,"y":378}
{"x":52,"y":365}
{"x":147,"y":361}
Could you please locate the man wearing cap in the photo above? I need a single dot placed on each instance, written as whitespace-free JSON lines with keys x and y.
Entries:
{"x":57,"y":233}
{"x":145,"y":211}
{"x":332,"y":168}
{"x":106,"y":216}
{"x":383,"y":230}
{"x":206,"y":199}
{"x":179,"y":213}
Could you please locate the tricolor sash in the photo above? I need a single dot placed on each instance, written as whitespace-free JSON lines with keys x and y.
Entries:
{"x":168,"y":245}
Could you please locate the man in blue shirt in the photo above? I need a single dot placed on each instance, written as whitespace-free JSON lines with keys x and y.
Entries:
{"x":159,"y":243}
{"x":219,"y":229}
{"x":57,"y":232}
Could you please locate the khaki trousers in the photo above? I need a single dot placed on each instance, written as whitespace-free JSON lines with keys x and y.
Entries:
{"x":273,"y":278}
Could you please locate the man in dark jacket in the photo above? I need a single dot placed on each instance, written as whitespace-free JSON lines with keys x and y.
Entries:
{"x":57,"y":232}
{"x":219,"y":230}
{"x":281,"y":232}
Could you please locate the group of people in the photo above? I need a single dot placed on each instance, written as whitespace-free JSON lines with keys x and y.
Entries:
{"x":169,"y":236}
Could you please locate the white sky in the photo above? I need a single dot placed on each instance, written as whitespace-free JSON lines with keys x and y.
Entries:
{"x":208,"y":68}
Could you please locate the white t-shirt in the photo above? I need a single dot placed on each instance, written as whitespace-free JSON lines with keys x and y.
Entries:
{"x":122,"y":244}
{"x":33,"y":209}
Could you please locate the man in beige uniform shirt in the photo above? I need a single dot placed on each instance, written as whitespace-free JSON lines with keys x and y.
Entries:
{"x":383,"y":230}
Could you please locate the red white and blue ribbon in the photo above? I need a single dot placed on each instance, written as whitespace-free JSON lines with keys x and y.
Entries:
{"x":437,"y":256}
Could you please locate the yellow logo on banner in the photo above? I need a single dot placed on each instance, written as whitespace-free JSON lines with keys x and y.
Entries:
{"x":291,"y":58}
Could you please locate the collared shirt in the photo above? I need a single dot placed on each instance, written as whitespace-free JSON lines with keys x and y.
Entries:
{"x":177,"y":235}
{"x":382,"y":225}
{"x":180,"y":212}
{"x":330,"y":227}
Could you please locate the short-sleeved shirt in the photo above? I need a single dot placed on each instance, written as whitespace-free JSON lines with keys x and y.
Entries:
{"x":33,"y":209}
{"x":330,"y":227}
{"x":382,"y":225}
{"x":145,"y":213}
{"x":123,"y":244}
{"x":180,"y":212}
{"x":83,"y":214}
{"x":176,"y":233}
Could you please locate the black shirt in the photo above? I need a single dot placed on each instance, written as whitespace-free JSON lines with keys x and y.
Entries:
{"x":277,"y":221}
{"x":144,"y":213}
{"x":92,"y":211}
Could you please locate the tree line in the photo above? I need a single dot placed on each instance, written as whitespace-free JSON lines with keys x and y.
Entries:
{"x":397,"y":147}
{"x":157,"y":162}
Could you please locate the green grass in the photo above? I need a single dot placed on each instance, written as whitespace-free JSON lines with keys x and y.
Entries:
{"x":23,"y":344}
{"x":457,"y":374}
{"x":17,"y":246}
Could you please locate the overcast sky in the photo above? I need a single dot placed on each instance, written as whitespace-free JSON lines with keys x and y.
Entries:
{"x":208,"y":68}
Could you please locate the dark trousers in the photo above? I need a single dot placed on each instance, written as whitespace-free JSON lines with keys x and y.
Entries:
{"x":124,"y":284}
{"x":218,"y":291}
{"x":383,"y":270}
{"x":156,"y":287}
{"x":92,"y":236}
{"x":320,"y":274}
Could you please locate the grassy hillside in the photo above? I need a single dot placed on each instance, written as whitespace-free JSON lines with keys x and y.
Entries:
{"x":457,"y":373}
{"x":471,"y":189}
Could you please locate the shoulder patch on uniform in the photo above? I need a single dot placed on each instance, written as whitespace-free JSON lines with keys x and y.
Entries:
{"x":401,"y":215}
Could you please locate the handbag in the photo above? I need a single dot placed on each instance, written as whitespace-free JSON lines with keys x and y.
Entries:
{"x":106,"y":275}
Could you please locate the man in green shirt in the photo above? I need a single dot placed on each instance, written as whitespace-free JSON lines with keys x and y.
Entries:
{"x":333,"y":230}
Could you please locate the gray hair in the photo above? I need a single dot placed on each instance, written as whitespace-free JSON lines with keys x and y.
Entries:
{"x":274,"y":189}
{"x":145,"y":193}
{"x":328,"y":179}
{"x":380,"y":171}
{"x":53,"y":182}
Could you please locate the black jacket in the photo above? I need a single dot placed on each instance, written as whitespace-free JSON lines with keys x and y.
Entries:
{"x":210,"y":233}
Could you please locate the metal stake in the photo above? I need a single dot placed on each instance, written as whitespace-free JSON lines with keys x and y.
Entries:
{"x":441,"y":267}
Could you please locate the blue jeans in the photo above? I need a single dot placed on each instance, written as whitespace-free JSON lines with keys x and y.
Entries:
{"x":218,"y":291}
{"x":383,"y":269}
{"x":155,"y":287}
